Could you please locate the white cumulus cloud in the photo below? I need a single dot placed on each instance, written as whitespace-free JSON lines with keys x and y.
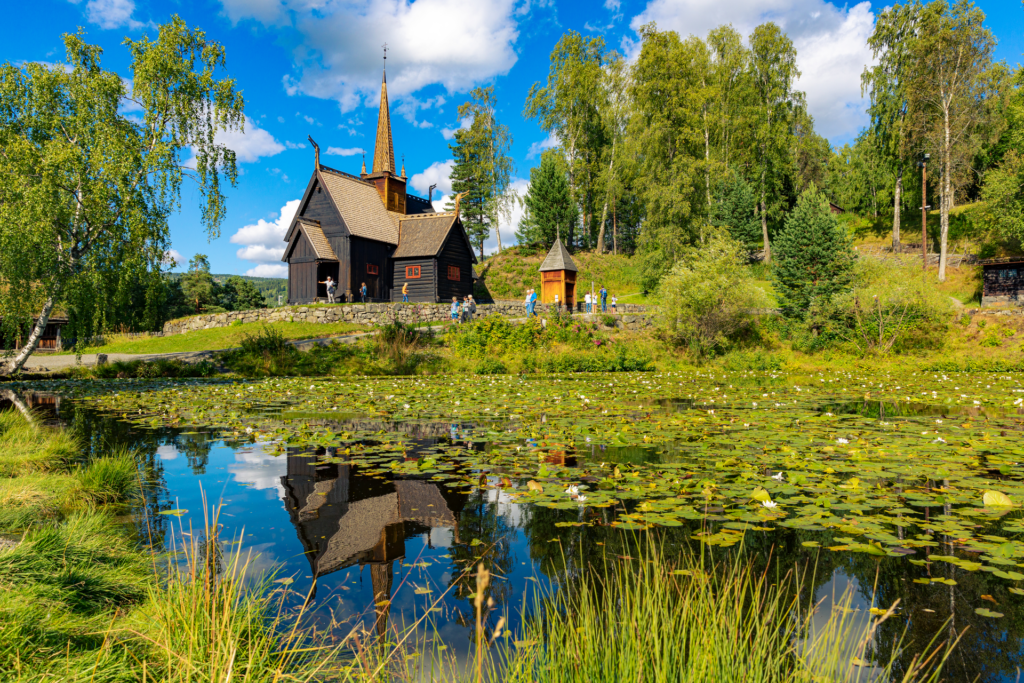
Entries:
{"x":263,"y":242}
{"x":174,"y":256}
{"x":547,"y":143}
{"x":831,"y":44}
{"x":111,"y":13}
{"x":454,"y":43}
{"x":344,"y":151}
{"x":438,"y":173}
{"x":268,"y":270}
{"x":464,"y":124}
{"x":250,"y":145}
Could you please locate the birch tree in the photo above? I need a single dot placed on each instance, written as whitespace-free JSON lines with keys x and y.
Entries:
{"x":80,"y":179}
{"x":948,"y":94}
{"x":887,"y":84}
{"x":774,"y":71}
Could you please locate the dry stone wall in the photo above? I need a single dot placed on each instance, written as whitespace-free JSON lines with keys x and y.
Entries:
{"x":630,"y":316}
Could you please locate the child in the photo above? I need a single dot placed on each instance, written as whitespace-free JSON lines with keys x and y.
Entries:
{"x":614,"y":309}
{"x":455,"y":310}
{"x":405,"y":292}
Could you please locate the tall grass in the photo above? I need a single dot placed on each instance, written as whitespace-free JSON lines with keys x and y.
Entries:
{"x":645,"y":620}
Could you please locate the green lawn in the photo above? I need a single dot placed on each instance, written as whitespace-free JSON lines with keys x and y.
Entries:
{"x":219,"y":338}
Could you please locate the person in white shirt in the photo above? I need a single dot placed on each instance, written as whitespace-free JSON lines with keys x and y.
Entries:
{"x":586,"y":299}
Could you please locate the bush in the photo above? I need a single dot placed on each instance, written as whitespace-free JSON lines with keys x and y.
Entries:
{"x":890,"y":308}
{"x":708,"y":296}
{"x":491,"y":366}
{"x":494,"y":336}
{"x":154,"y":369}
{"x":608,"y":320}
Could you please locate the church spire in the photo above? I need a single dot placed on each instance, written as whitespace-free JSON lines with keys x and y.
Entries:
{"x":384,"y":151}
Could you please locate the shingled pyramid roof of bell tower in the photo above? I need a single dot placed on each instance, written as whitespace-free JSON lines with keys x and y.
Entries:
{"x":558,"y":258}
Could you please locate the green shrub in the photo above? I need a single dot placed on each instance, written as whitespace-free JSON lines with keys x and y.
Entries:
{"x":708,"y":297}
{"x":608,"y":320}
{"x":756,"y":360}
{"x":890,"y":308}
{"x":491,"y":366}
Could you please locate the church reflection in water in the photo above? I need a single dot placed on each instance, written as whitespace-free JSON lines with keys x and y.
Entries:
{"x":346,"y":517}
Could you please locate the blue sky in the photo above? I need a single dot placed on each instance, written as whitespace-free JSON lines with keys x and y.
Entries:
{"x":313,"y":67}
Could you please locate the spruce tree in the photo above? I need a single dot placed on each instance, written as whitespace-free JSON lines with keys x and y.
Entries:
{"x":813,"y":256}
{"x":736,"y":210}
{"x":549,"y":206}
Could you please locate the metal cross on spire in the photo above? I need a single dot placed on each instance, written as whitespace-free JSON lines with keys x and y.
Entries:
{"x":385,"y":46}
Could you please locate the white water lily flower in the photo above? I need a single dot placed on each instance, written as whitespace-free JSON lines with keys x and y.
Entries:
{"x":778,"y":476}
{"x":580,"y":499}
{"x":406,"y":406}
{"x":841,"y":440}
{"x":573,"y":490}
{"x":939,"y":440}
{"x":769,"y":504}
{"x":248,"y":430}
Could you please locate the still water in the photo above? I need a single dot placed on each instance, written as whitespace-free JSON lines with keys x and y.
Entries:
{"x":383,"y":549}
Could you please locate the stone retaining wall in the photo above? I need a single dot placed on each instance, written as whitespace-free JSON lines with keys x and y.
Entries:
{"x":631,"y":316}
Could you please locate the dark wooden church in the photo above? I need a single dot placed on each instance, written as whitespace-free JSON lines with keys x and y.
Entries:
{"x":368,"y":229}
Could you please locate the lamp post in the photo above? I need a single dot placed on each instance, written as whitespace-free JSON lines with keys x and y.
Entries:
{"x":923,"y":163}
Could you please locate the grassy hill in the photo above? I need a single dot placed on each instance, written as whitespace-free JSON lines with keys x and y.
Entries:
{"x":509,"y":274}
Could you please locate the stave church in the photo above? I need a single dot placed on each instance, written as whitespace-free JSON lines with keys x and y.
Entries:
{"x":367,"y":229}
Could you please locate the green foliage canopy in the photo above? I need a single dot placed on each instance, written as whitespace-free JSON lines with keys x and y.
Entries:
{"x":814,"y":256}
{"x":81,"y":183}
{"x":550,"y":211}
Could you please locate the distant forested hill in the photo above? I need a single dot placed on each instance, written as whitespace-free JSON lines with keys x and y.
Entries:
{"x":270,"y":287}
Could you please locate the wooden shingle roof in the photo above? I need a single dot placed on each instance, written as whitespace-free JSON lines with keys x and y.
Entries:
{"x":423,"y":235}
{"x":360,"y":206}
{"x":558,"y":258}
{"x":317,"y":240}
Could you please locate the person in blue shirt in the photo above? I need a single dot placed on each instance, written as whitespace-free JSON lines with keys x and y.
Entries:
{"x":455,"y":309}
{"x":533,"y":302}
{"x":604,"y":299}
{"x":362,"y":292}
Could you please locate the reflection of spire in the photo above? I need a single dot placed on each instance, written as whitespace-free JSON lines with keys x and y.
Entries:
{"x":381,"y":577}
{"x":384,"y":150}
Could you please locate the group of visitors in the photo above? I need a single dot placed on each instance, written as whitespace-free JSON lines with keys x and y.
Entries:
{"x":462,"y":311}
{"x":590,"y":301}
{"x":531,"y":303}
{"x":332,"y":288}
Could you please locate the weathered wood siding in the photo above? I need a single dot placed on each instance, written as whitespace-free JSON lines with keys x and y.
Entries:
{"x":455,"y":252}
{"x":1004,"y":279}
{"x":421,"y":289}
{"x":301,"y":282}
{"x":365,"y":252}
{"x":318,"y":206}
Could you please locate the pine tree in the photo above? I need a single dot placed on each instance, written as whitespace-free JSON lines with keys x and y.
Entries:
{"x":550,"y":210}
{"x":197,"y":283}
{"x":814,"y":256}
{"x":736,"y":210}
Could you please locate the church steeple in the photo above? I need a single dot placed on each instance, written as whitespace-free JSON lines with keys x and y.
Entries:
{"x":384,"y":150}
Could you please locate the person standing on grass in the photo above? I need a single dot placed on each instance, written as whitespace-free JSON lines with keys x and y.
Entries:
{"x":455,"y":310}
{"x":331,"y":288}
{"x":405,"y":292}
{"x":604,"y":299}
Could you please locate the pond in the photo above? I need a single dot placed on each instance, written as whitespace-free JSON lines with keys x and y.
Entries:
{"x":374,"y":499}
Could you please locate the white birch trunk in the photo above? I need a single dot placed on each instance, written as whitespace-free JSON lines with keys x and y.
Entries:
{"x":32,"y":343}
{"x":896,"y":212}
{"x":944,"y":205}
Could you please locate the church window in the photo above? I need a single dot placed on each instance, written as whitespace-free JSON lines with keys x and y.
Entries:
{"x":371,"y":269}
{"x":454,"y":273}
{"x":412,"y":272}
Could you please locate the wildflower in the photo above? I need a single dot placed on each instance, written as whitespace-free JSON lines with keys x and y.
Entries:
{"x":769,"y":504}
